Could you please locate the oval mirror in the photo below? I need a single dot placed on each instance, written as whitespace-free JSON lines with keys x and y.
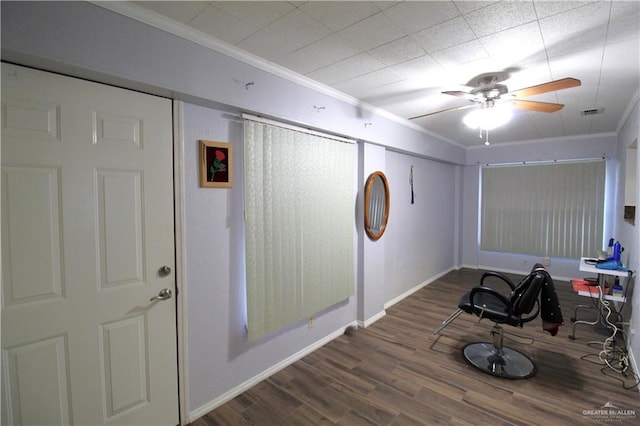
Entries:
{"x":376,"y":205}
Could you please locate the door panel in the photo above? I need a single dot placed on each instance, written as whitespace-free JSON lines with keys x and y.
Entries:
{"x":32,"y":251}
{"x":120,"y":224}
{"x":87,"y":223}
{"x":126,"y":385}
{"x":38,"y":378}
{"x":28,"y":119}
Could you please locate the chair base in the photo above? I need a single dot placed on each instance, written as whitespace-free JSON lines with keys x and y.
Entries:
{"x":448,"y":321}
{"x":500,"y":362}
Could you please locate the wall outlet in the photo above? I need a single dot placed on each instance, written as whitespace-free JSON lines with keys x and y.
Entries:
{"x":546,"y":261}
{"x":312,"y":322}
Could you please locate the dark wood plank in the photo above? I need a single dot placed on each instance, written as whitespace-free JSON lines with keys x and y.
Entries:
{"x":396,"y":372}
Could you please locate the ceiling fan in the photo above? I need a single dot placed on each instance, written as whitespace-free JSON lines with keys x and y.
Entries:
{"x":487,"y":92}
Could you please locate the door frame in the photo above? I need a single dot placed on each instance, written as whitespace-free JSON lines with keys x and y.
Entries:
{"x":181,"y":261}
{"x":179,"y":238}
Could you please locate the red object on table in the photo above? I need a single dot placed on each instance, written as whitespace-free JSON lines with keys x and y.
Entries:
{"x":584,"y":285}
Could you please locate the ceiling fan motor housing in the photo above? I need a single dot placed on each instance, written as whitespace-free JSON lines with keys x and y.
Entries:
{"x":487,"y":91}
{"x":490,"y":91}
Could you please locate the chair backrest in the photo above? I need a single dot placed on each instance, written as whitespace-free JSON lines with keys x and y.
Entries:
{"x":524,"y":297}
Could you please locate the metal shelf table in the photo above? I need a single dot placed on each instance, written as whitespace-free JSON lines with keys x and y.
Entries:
{"x":601,"y":274}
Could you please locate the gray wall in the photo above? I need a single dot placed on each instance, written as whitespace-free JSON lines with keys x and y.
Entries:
{"x":602,"y":146}
{"x":420,"y":236}
{"x":220,"y":356}
{"x":629,"y":235}
{"x":85,"y":40}
{"x":371,"y":284}
{"x":423,"y":240}
{"x":612,"y":147}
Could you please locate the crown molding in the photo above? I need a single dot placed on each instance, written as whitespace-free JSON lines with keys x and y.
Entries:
{"x":185,"y":32}
{"x":634,"y":100}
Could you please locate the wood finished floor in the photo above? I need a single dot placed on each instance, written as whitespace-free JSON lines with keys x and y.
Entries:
{"x":395,"y":372}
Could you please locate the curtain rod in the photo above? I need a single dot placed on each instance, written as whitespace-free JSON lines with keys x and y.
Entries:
{"x":297,"y":128}
{"x":536,"y":162}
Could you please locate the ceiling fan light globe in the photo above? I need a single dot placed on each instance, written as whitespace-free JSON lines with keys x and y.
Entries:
{"x":487,"y":118}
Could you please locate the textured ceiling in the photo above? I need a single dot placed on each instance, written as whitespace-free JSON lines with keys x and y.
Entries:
{"x":400,"y":56}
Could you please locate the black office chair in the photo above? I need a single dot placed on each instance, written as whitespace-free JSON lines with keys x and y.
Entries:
{"x":513,"y":309}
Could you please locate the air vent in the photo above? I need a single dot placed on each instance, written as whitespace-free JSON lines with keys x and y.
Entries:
{"x":592,"y":111}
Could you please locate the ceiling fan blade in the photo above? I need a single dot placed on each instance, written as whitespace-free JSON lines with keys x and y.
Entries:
{"x":551,"y":86}
{"x":444,"y":110}
{"x":535,"y":106}
{"x":460,"y":94}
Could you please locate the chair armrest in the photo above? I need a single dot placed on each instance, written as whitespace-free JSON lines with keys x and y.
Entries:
{"x":488,"y":290}
{"x":499,"y":276}
{"x":533,"y":316}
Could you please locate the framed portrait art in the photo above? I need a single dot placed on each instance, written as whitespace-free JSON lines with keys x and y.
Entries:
{"x":216,"y":164}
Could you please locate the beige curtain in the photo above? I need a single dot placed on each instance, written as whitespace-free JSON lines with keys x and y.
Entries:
{"x":554,"y":210}
{"x":299,"y":224}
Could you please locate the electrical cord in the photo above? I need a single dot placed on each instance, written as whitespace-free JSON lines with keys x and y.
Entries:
{"x":625,"y":370}
{"x":608,"y":346}
{"x":604,"y":370}
{"x":610,"y":357}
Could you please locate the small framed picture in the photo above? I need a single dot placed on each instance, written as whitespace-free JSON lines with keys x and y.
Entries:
{"x":216,"y":164}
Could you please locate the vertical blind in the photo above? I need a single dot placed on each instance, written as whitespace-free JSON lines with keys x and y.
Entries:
{"x":299,"y":224}
{"x":543,"y":209}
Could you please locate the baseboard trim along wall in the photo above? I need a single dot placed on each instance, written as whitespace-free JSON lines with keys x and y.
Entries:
{"x":232,"y":393}
{"x":632,"y":359}
{"x":366,"y":323}
{"x":229,"y":395}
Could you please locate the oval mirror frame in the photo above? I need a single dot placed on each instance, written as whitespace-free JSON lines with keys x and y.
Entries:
{"x":376,"y":205}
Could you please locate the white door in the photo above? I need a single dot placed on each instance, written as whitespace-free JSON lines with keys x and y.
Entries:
{"x":87,"y":229}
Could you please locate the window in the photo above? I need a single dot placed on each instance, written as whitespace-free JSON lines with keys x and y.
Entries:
{"x":299,"y":224}
{"x":543,"y":209}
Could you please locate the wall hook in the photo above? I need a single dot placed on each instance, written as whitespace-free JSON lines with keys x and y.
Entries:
{"x":246,"y":85}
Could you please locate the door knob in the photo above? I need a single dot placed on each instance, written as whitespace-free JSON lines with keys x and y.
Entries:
{"x":164,"y":271}
{"x":164,"y":294}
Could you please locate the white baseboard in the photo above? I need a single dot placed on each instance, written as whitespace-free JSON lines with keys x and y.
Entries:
{"x":632,"y":360}
{"x":229,"y":395}
{"x":416,"y":288}
{"x":468,"y":267}
{"x":366,"y":323}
